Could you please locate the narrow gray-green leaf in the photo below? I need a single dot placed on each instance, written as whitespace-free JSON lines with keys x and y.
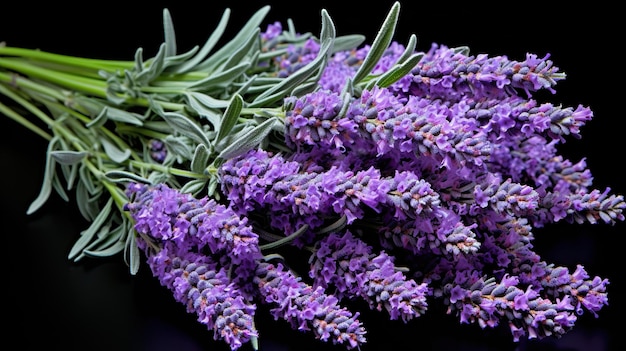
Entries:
{"x":98,"y":121}
{"x":68,"y":157}
{"x":124,"y":176}
{"x":113,"y":151}
{"x":174,"y":60}
{"x":59,"y":188}
{"x":463,"y":50}
{"x":281,"y":89}
{"x":208,"y":45}
{"x":139,"y":59}
{"x":309,"y":85}
{"x":101,"y":235}
{"x":240,"y":53}
{"x":409,"y":49}
{"x":398,"y":71}
{"x":213,"y":184}
{"x":328,"y":32}
{"x":200,"y":159}
{"x":84,"y":240}
{"x":46,"y":184}
{"x":243,"y":89}
{"x":159,"y":177}
{"x":347,"y":42}
{"x":286,"y":239}
{"x":87,"y":206}
{"x":116,"y":114}
{"x":346,"y":98}
{"x":178,"y":147}
{"x":113,"y":97}
{"x":380,"y":44}
{"x":114,"y":249}
{"x":231,"y":115}
{"x":110,"y":244}
{"x":202,"y":102}
{"x":193,"y":186}
{"x":248,"y":141}
{"x":132,"y":255}
{"x":267,"y":100}
{"x":207,"y":107}
{"x":155,"y":67}
{"x":333,"y":227}
{"x":224,"y":52}
{"x":88,"y":234}
{"x":87,"y":178}
{"x":71,"y":177}
{"x":124,"y":116}
{"x":169,"y":33}
{"x":67,"y":164}
{"x":238,"y":132}
{"x":221,"y":77}
{"x":158,"y":126}
{"x":186,"y":127}
{"x":154,"y":106}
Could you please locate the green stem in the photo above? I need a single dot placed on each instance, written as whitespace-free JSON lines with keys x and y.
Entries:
{"x":118,"y":197}
{"x":86,"y":85}
{"x":127,"y":129}
{"x":65,"y":60}
{"x":17,"y":81}
{"x":69,"y":81}
{"x":19,"y":118}
{"x":167,"y":170}
{"x":286,"y":239}
{"x":73,"y":70}
{"x":23,"y":121}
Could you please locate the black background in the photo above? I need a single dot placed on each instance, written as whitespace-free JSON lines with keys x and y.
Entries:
{"x":98,"y":305}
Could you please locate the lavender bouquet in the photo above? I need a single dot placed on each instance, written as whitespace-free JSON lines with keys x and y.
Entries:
{"x":401,"y":178}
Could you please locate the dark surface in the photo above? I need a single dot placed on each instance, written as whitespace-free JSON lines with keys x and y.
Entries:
{"x":98,"y":305}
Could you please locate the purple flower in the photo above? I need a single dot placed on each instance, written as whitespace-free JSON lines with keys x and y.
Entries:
{"x":164,"y":214}
{"x":273,"y":30}
{"x":451,"y":74}
{"x":307,"y":308}
{"x":309,"y":196}
{"x":312,"y":120}
{"x":157,"y":149}
{"x":345,"y":263}
{"x":558,"y":282}
{"x":295,"y":57}
{"x":507,"y":196}
{"x":381,"y":123}
{"x":205,"y":289}
{"x":488,"y":302}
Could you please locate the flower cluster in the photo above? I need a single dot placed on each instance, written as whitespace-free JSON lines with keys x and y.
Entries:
{"x":406,"y":178}
{"x":205,"y":288}
{"x":176,"y":230}
{"x":306,"y":307}
{"x":429,"y":161}
{"x":346,"y":263}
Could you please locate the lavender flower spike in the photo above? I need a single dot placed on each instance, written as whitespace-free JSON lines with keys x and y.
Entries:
{"x":527,"y":313}
{"x":165,"y":214}
{"x":205,"y":289}
{"x":259,"y":180}
{"x":347,"y":264}
{"x":307,"y":308}
{"x":451,"y":74}
{"x":558,"y":282}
